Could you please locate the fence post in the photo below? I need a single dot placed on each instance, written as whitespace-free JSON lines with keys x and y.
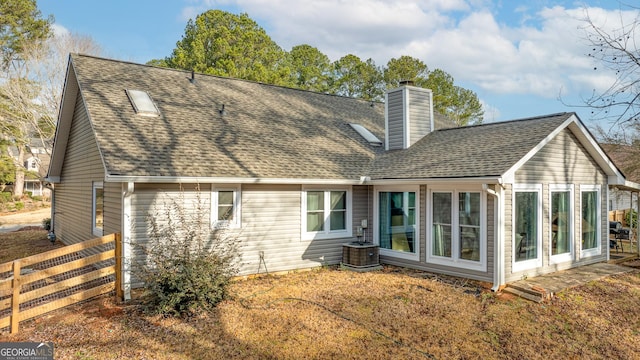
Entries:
{"x":15,"y":298}
{"x":118,"y":257}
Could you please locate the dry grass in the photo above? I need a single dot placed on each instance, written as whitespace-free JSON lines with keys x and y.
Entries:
{"x":19,"y":244}
{"x":334,"y":314}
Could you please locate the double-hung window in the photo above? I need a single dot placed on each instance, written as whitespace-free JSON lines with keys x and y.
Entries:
{"x":457,"y":222}
{"x":590,"y":223}
{"x":326,"y":213}
{"x":98,"y":209}
{"x":225,"y":206}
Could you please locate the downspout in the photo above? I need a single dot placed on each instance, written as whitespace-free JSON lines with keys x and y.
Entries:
{"x":127,"y":192}
{"x":50,"y":186}
{"x":498,"y":244}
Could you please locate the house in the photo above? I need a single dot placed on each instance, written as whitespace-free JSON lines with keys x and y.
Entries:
{"x":37,"y":163}
{"x":625,"y":157}
{"x":296,"y":174}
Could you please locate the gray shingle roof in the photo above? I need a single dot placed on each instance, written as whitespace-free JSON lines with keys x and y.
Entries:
{"x":266,"y":132}
{"x":274,"y":132}
{"x":473,"y":151}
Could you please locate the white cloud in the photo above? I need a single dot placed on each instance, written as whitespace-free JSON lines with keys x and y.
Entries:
{"x":542,"y":53}
{"x":59,"y":30}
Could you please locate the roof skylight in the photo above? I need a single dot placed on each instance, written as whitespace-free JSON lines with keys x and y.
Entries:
{"x":142,"y":103}
{"x":366,"y":134}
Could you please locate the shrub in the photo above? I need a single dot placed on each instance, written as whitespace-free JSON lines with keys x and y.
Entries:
{"x":5,"y":197}
{"x":631,"y":218}
{"x":19,"y":205}
{"x":188,"y":266}
{"x":46,"y":223}
{"x":36,"y":198}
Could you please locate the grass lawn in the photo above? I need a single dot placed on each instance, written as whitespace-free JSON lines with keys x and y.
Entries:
{"x":333,"y":314}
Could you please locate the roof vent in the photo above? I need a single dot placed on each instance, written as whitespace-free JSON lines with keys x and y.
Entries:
{"x":142,"y":103}
{"x":367,"y":135}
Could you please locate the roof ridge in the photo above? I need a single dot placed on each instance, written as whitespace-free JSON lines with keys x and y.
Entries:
{"x":188,"y":72}
{"x":532,"y":118}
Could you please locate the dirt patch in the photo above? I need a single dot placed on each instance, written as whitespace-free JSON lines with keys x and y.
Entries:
{"x":30,"y":217}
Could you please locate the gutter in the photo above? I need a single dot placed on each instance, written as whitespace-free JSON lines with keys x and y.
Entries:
{"x":363,"y":180}
{"x":498,"y":261}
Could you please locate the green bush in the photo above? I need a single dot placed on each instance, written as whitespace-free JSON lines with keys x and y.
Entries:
{"x":19,"y":205}
{"x":5,"y":197}
{"x":631,"y":218}
{"x":188,"y":266}
{"x":36,"y":198}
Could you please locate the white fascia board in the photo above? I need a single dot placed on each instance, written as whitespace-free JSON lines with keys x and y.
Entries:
{"x":510,"y":174}
{"x":432,"y":181}
{"x":228,"y":180}
{"x":362,"y":181}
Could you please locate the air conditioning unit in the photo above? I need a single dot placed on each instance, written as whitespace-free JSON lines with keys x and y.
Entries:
{"x":360,"y":256}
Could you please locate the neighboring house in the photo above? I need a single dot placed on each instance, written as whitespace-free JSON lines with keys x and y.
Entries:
{"x":38,"y":163}
{"x":294,"y":174}
{"x":627,"y":159}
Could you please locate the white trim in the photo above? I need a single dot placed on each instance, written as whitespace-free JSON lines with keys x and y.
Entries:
{"x":94,"y":227}
{"x":327,"y":233}
{"x":405,"y":118}
{"x":564,"y":257}
{"x":455,"y":260}
{"x":598,"y":249}
{"x":509,"y":175}
{"x":517,"y":266}
{"x":363,"y":180}
{"x":415,"y":255}
{"x":237,"y":206}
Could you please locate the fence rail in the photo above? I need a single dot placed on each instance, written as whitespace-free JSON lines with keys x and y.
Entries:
{"x":41,"y":283}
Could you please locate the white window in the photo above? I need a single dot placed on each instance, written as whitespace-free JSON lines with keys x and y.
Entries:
{"x":590,"y":222}
{"x":326,"y":213}
{"x":397,"y":221}
{"x":98,"y":209}
{"x":226,"y":206}
{"x":561,"y":220}
{"x":527,"y":227}
{"x":457,"y":224}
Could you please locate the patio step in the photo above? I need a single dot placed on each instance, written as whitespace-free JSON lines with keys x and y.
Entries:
{"x":525,"y":291}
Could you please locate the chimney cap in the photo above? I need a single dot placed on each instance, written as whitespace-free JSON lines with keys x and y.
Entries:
{"x":407,"y":83}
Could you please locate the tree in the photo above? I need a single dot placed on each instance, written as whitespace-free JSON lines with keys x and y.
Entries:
{"x":225,"y":44}
{"x":618,"y":54}
{"x":310,"y":68}
{"x":20,"y":25}
{"x":356,"y":78}
{"x":405,"y":68}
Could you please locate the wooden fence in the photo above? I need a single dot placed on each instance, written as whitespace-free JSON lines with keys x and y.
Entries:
{"x":44,"y":282}
{"x":619,"y":215}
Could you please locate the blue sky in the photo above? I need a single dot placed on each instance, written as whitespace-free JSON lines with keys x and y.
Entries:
{"x":518,"y":56}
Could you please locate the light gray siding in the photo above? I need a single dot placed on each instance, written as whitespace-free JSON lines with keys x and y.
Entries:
{"x":271,"y":224}
{"x":74,"y":193}
{"x":422,"y":264}
{"x":419,"y":114}
{"x":562,"y":161}
{"x":395,"y":120}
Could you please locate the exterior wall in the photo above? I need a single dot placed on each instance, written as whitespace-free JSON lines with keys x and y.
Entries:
{"x":621,"y":200}
{"x":395,"y":120}
{"x":562,"y":161}
{"x":270,"y":224}
{"x":424,"y":231}
{"x":419,"y":114}
{"x":73,"y":195}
